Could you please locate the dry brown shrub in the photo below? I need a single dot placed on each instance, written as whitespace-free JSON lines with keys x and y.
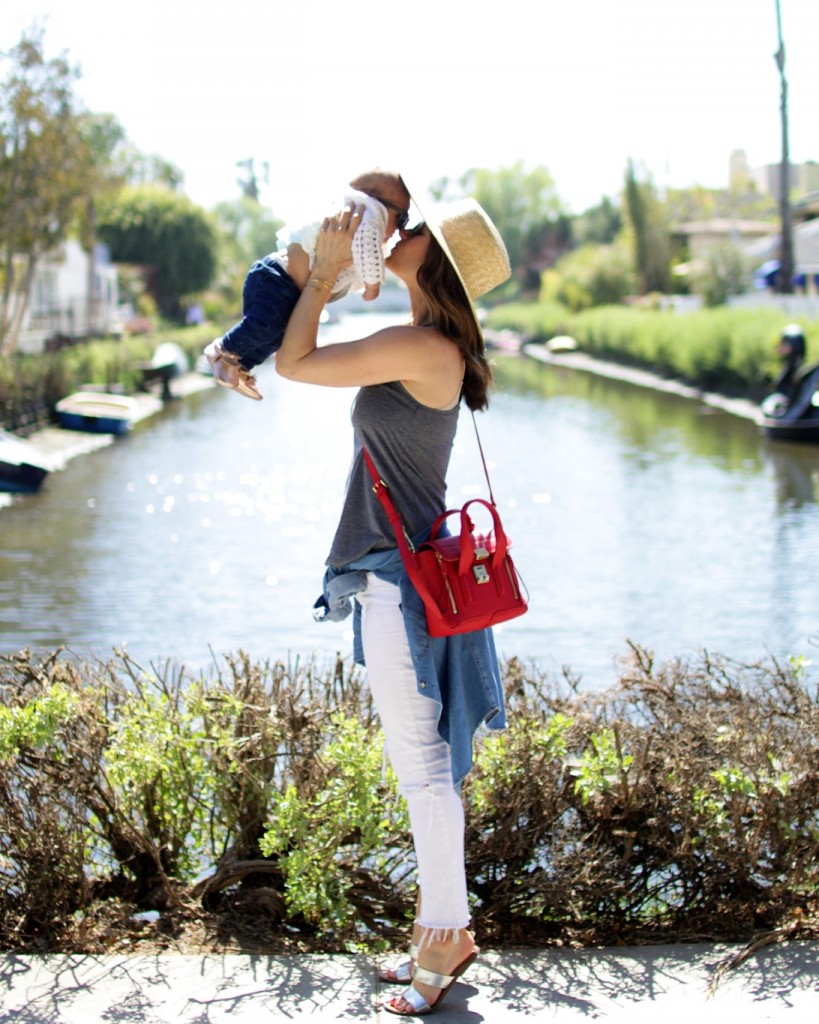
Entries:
{"x":681,"y":804}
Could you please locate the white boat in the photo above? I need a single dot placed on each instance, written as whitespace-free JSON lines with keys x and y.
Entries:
{"x":22,"y":469}
{"x":97,"y":412}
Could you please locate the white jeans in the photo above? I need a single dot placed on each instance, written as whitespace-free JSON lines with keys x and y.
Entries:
{"x":419,"y":757}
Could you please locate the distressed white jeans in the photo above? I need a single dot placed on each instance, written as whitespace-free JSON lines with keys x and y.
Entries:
{"x":419,"y":757}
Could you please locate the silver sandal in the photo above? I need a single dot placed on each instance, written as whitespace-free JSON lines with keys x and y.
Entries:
{"x":402,"y":974}
{"x":413,"y":998}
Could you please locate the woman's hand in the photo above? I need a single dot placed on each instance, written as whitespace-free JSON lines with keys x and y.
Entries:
{"x":334,"y":246}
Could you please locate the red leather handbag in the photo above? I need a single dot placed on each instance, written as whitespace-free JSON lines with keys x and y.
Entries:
{"x":466,"y":581}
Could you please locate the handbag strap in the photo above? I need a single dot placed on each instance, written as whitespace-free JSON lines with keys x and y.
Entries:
{"x":381,"y":492}
{"x":405,"y":545}
{"x":483,"y":460}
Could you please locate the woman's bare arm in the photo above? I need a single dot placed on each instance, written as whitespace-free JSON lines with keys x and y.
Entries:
{"x":419,"y":356}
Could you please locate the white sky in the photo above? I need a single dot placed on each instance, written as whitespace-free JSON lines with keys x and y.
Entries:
{"x":434,"y":87}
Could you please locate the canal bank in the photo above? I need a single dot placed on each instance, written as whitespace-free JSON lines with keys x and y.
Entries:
{"x":621,"y":984}
{"x":584,"y":363}
{"x":57,"y":446}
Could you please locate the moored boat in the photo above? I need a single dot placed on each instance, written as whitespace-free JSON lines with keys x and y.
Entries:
{"x":97,"y":412}
{"x":21,"y":468}
{"x":166,"y":364}
{"x":795,"y":418}
{"x":503,"y":341}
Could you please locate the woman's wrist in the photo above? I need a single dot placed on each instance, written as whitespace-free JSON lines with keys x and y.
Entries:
{"x":322,"y":278}
{"x":320,"y":284}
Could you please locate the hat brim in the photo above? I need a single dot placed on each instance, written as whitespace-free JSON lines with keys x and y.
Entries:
{"x":433,"y":219}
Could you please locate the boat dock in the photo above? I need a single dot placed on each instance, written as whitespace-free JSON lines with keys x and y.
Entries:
{"x":57,"y":446}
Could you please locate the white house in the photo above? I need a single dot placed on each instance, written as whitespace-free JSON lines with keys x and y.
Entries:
{"x":59,"y":304}
{"x":703,"y":236}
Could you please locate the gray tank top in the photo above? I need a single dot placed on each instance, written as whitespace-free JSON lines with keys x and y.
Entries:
{"x":410,"y":445}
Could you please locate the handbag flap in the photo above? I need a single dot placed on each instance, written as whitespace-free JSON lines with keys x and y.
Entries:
{"x":449,"y":548}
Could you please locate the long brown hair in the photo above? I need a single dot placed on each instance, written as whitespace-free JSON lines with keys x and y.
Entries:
{"x":449,"y":310}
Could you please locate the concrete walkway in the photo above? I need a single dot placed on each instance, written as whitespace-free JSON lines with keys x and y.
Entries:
{"x":657,"y":984}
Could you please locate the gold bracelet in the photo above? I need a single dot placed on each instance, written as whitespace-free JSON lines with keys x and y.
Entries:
{"x":318,"y":283}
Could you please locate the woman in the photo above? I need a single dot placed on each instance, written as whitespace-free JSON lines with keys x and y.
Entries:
{"x":431,"y":694}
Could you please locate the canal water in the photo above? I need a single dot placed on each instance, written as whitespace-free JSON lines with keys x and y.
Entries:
{"x":635,"y":515}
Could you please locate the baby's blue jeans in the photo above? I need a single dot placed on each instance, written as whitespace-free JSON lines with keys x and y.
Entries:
{"x":269,"y":297}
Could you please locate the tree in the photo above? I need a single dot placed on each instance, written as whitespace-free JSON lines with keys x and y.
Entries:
{"x":249,"y":184}
{"x":247,"y":230}
{"x":528,"y":213}
{"x":591,"y":275}
{"x":699,"y":203}
{"x":141,"y":168}
{"x":165,"y":233}
{"x":599,"y":224}
{"x":104,"y":138}
{"x":650,"y":233}
{"x":723,"y":272}
{"x":45,"y":171}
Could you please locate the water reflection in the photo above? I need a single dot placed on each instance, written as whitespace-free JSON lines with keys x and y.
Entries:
{"x":669,"y":523}
{"x":650,"y":424}
{"x":796,"y":470}
{"x":633,"y":514}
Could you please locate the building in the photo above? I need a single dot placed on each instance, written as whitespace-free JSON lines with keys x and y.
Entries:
{"x":803,"y":178}
{"x":765,"y":255}
{"x":702,"y":236}
{"x":806,"y":207}
{"x":59,"y":304}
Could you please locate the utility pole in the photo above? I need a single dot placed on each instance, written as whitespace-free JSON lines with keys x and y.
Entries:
{"x":786,"y":240}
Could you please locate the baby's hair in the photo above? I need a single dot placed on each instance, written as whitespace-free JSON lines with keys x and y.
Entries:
{"x":376,"y":179}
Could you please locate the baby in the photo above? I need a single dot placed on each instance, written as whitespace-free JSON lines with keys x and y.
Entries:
{"x":270,"y":291}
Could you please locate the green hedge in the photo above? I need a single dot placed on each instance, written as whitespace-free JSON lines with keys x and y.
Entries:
{"x":681,"y":804}
{"x":729,"y":350}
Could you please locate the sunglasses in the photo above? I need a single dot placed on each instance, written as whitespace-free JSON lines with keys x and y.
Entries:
{"x":402,"y":215}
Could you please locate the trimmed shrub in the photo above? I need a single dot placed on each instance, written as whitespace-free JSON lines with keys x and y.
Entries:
{"x":729,"y":350}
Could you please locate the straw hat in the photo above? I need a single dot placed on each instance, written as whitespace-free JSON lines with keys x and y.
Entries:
{"x":472,"y":245}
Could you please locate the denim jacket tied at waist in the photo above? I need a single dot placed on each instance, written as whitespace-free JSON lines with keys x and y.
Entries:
{"x":460,"y":673}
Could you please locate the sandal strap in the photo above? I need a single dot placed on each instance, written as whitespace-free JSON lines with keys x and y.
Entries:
{"x":401,"y":974}
{"x":416,"y":1000}
{"x":246,"y":385}
{"x":431,"y":978}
